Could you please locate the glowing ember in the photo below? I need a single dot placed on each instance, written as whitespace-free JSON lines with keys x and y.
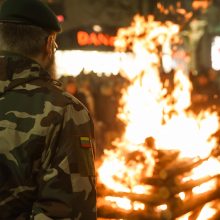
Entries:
{"x":207,"y":212}
{"x":149,"y":111}
{"x":182,"y":195}
{"x":162,"y":207}
{"x":120,"y":202}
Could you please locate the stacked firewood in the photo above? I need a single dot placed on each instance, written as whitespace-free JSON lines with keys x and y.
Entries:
{"x":170,"y":190}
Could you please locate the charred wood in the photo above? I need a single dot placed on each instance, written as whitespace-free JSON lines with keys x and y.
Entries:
{"x":196,"y":202}
{"x":153,"y":199}
{"x":116,"y":213}
{"x":158,"y":182}
{"x":189,"y":185}
{"x":179,"y":167}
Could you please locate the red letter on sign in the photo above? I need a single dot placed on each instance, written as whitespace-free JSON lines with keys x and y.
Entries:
{"x":93,"y":39}
{"x":103,"y":38}
{"x":82,"y":38}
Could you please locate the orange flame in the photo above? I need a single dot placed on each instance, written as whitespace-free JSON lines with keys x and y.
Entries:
{"x":149,"y":111}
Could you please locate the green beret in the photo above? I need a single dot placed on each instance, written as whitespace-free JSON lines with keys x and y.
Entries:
{"x":30,"y":12}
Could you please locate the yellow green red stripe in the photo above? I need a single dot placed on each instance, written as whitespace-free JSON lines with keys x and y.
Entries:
{"x":85,"y":142}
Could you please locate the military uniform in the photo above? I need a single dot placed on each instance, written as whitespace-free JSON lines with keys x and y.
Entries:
{"x":46,"y":147}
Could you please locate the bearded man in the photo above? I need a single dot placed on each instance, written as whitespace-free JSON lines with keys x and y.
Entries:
{"x":46,"y":136}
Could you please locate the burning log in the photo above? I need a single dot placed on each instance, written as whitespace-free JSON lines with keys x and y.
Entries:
{"x":175,"y":185}
{"x":167,"y":191}
{"x":163,"y":193}
{"x":153,"y":199}
{"x":195,"y":202}
{"x":154,"y":181}
{"x":116,"y":213}
{"x":180,"y":167}
{"x":166,"y":194}
{"x":216,"y":216}
{"x":195,"y":213}
{"x":189,"y":185}
{"x":165,"y":157}
{"x":105,"y":211}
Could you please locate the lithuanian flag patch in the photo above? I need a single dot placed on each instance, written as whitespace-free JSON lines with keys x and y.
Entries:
{"x":85,"y":142}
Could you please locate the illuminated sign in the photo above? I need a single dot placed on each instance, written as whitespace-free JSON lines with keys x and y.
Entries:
{"x":86,"y":38}
{"x":95,"y":39}
{"x":60,"y":18}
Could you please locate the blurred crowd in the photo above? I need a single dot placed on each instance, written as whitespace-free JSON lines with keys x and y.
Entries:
{"x":206,"y":90}
{"x":101,"y":96}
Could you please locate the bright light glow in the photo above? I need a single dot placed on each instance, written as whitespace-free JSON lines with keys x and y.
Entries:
{"x":123,"y":203}
{"x":97,"y":28}
{"x":167,"y":63}
{"x":206,"y":169}
{"x":185,"y":217}
{"x":215,"y":53}
{"x":162,"y":207}
{"x":138,"y":206}
{"x":207,"y":212}
{"x":75,"y":61}
{"x":204,"y":187}
{"x":182,"y":195}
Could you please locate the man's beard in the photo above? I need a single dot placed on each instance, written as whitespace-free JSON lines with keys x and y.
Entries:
{"x":51,"y":66}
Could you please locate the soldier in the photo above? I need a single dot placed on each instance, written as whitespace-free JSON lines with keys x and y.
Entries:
{"x":46,"y":136}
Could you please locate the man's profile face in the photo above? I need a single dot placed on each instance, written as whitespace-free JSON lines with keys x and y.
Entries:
{"x":51,"y":65}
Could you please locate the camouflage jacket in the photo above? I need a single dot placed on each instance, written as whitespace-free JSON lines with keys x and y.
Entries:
{"x":46,"y":147}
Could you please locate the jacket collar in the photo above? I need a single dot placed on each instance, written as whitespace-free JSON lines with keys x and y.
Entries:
{"x":16,"y":70}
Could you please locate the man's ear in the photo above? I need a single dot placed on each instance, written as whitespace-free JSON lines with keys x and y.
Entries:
{"x":49,"y":45}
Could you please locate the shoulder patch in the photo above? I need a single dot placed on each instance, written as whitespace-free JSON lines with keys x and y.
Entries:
{"x":85,"y":142}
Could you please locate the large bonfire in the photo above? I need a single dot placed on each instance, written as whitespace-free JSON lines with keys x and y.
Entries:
{"x":165,"y":146}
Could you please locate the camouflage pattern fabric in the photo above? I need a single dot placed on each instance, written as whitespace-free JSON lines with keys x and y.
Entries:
{"x":46,"y":147}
